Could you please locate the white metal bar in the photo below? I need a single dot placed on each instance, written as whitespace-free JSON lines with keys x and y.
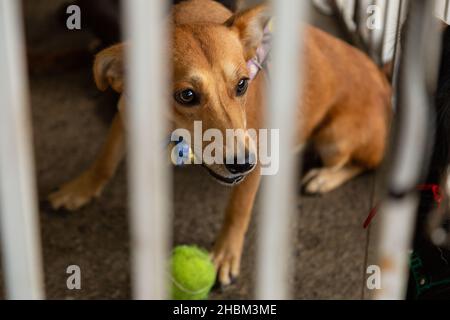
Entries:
{"x":148,"y":166}
{"x":446,"y":10}
{"x":397,"y":228}
{"x":278,"y":190}
{"x":401,"y":13}
{"x":410,"y":156}
{"x":18,"y":209}
{"x":441,"y":9}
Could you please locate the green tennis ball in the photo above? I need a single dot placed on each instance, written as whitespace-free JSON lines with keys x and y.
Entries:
{"x":193,"y":273}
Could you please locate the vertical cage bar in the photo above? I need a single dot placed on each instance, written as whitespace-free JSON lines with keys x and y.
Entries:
{"x":397,"y":48}
{"x":382,"y":46}
{"x":357,"y":14}
{"x":278,"y":190}
{"x":148,"y":166}
{"x":447,"y":2}
{"x":18,"y":210}
{"x":410,"y":156}
{"x":371,"y":35}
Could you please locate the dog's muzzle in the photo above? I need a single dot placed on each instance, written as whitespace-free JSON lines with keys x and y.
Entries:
{"x":229,"y":181}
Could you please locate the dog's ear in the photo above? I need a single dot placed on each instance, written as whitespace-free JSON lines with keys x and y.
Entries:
{"x":109,"y":68}
{"x":250,"y":24}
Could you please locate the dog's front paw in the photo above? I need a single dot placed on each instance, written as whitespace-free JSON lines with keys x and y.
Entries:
{"x":320,"y":181}
{"x":76,"y":193}
{"x":227,"y":257}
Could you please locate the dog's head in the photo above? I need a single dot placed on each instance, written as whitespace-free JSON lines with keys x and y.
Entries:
{"x":210,"y":80}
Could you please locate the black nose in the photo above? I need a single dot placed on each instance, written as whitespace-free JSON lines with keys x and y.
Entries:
{"x":236,"y":168}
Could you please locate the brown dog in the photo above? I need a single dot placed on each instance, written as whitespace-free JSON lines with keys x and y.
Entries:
{"x":345,"y":109}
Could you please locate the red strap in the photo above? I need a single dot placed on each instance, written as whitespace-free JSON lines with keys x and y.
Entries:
{"x":372,"y":214}
{"x":437,"y":195}
{"x":435,"y":189}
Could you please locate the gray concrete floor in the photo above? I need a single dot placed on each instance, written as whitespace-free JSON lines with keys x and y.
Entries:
{"x":70,"y":119}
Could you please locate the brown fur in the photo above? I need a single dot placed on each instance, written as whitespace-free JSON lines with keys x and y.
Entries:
{"x":345,"y":108}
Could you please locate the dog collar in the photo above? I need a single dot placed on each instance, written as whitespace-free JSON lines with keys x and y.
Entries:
{"x":261,"y":59}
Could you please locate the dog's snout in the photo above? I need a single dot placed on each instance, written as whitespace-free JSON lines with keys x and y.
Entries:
{"x":237,"y":167}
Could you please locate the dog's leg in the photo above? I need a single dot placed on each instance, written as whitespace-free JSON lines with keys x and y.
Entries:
{"x":90,"y":184}
{"x":228,"y":248}
{"x":327,"y":179}
{"x":338,"y":149}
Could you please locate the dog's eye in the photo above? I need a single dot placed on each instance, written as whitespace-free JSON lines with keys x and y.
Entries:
{"x":242,"y":87}
{"x":186,"y":97}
